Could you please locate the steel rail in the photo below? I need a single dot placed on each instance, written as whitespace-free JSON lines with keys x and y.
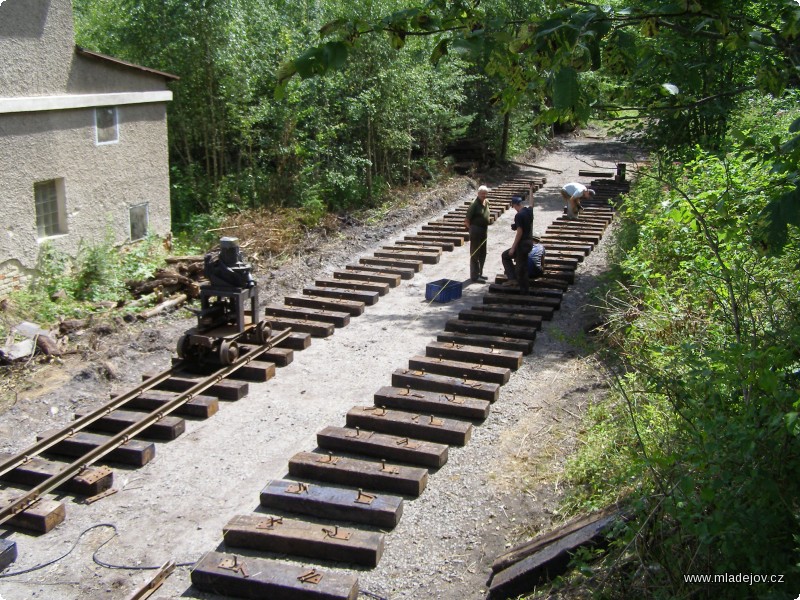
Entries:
{"x":126,"y":434}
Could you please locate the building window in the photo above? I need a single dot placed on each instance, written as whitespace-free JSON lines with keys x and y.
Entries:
{"x":105,"y":120}
{"x":51,"y":210}
{"x":139,"y":221}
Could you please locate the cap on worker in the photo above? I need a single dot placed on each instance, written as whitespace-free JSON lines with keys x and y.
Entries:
{"x":483,"y":188}
{"x":516,"y":199}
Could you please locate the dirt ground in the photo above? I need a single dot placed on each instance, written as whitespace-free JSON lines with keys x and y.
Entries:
{"x":502,"y":487}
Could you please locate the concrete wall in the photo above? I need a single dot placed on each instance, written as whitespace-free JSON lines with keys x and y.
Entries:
{"x":101,"y":182}
{"x":48,"y":95}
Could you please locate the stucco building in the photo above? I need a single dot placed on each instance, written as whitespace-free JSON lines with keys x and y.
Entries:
{"x":83,"y":142}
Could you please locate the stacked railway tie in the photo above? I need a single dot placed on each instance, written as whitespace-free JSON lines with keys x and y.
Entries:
{"x":343,"y":496}
{"x":328,"y":304}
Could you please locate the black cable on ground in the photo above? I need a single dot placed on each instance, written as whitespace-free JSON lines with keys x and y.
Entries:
{"x":370,"y":595}
{"x":94,"y":556}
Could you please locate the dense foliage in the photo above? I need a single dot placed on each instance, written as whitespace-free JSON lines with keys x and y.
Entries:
{"x":331,"y":143}
{"x":704,"y":334}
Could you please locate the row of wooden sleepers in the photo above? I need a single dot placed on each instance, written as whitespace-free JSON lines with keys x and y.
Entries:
{"x":423,"y":446}
{"x":343,"y":496}
{"x":327,"y":304}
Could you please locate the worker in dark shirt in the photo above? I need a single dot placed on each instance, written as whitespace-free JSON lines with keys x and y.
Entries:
{"x":515,"y":259}
{"x":477,"y":222}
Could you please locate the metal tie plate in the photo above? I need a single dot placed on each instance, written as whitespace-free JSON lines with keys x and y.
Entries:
{"x":455,"y":399}
{"x":233,"y":564}
{"x":330,"y":459}
{"x":269,"y":523}
{"x":391,"y":469}
{"x":297,"y":488}
{"x":377,"y":411}
{"x":408,"y":443}
{"x":336,"y":534}
{"x":365,"y":498}
{"x":95,"y":475}
{"x":436,"y":422}
{"x":311,"y":576}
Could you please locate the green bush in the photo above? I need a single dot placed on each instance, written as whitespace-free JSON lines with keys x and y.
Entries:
{"x":704,"y":335}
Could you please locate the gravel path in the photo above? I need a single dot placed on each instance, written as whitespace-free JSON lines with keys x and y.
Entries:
{"x":503,"y":486}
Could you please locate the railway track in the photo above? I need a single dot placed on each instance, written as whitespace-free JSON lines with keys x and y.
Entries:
{"x":368,"y":467}
{"x":345,"y":495}
{"x":125,"y":430}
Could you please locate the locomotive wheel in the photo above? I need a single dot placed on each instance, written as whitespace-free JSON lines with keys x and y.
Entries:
{"x":228,"y":352}
{"x":262,"y":332}
{"x":183,"y":346}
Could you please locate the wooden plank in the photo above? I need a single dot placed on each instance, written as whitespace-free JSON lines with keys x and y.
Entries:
{"x":40,"y":517}
{"x":548,"y":562}
{"x":498,"y":330}
{"x":258,"y":578}
{"x":413,"y":239}
{"x":417,"y":380}
{"x":368,"y":298}
{"x":256,"y":371}
{"x":510,"y":359}
{"x":328,"y":502}
{"x":353,"y":284}
{"x":402,"y":272}
{"x":381,"y":445}
{"x":166,"y":428}
{"x":389,"y":279}
{"x":367,"y":474}
{"x":8,"y":553}
{"x":512,"y":319}
{"x":458,"y":368}
{"x":423,"y":257}
{"x":487,"y":341}
{"x":336,"y":318}
{"x":280,"y":357}
{"x":456,"y":240}
{"x":537,"y":288}
{"x":531,"y":546}
{"x":300,"y":538}
{"x":419,"y":248}
{"x":201,"y":406}
{"x":436,"y":403}
{"x":442,"y":430}
{"x":316,"y":329}
{"x":354,"y":308}
{"x":133,"y":452}
{"x":543,"y":312}
{"x":532,"y":300}
{"x":297,"y":340}
{"x":180,"y":382}
{"x":414,"y":265}
{"x":90,"y":482}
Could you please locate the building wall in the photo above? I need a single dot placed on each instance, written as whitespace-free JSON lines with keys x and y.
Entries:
{"x":48,"y":95}
{"x":37,"y":45}
{"x":101,"y":182}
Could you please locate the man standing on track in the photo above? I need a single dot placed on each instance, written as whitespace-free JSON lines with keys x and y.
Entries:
{"x":515,"y":259}
{"x":477,"y":222}
{"x":573,"y":193}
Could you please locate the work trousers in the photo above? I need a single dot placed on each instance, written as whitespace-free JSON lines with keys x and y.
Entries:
{"x":516,"y":267}
{"x":477,"y":250}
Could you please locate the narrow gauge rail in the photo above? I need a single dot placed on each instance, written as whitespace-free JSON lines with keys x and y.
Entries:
{"x":83,"y":462}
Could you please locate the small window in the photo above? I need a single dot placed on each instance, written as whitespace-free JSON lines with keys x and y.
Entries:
{"x":139,"y":221}
{"x":105,"y":120}
{"x":51,"y":213}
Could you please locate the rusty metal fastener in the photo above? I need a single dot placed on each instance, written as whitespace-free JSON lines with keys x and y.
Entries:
{"x":233,"y":564}
{"x":391,"y":469}
{"x":364,"y":498}
{"x":297,"y":488}
{"x":311,"y":576}
{"x":269,"y":523}
{"x":336,"y":534}
{"x":436,"y":422}
{"x":330,"y":459}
